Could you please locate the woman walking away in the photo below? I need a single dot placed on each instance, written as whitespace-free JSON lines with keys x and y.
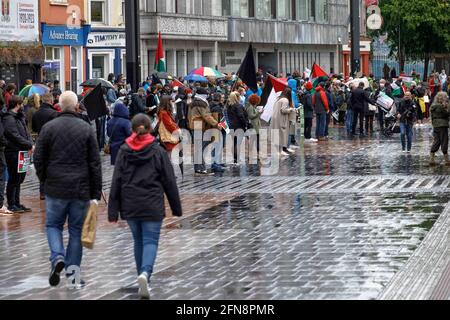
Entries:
{"x":237,"y":121}
{"x":280,"y":120}
{"x":440,"y":116}
{"x":142,"y":175}
{"x":118,"y":129}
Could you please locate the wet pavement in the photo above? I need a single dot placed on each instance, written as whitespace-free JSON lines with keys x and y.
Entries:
{"x":344,"y":219}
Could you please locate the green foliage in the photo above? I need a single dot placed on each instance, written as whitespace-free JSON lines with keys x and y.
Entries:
{"x":424,"y":26}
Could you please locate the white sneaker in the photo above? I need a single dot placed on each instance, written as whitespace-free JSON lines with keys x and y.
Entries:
{"x":291,"y":150}
{"x":294,"y":147}
{"x":313,"y":140}
{"x":285,"y":154}
{"x":4,"y":211}
{"x":143,"y":292}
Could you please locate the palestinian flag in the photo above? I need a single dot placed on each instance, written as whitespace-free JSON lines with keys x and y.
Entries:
{"x":396,"y":90}
{"x":317,"y":75}
{"x":176,"y":83}
{"x":272,"y":90}
{"x":160,"y":60}
{"x":224,"y":124}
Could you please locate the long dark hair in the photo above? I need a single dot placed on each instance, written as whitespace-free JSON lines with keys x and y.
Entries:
{"x":165,"y":105}
{"x":287,"y":93}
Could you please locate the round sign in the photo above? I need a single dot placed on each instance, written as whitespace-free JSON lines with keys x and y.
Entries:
{"x":374,"y":22}
{"x":373,"y":10}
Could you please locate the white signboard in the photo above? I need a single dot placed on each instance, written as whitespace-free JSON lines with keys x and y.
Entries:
{"x":106,"y":39}
{"x":19,"y":20}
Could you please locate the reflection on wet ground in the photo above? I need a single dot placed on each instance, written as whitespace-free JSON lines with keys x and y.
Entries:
{"x":337,"y":222}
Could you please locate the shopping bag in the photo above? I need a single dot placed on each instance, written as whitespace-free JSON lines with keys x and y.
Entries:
{"x":90,"y":226}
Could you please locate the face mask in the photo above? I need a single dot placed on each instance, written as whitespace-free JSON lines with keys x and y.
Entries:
{"x":382,"y":85}
{"x":190,"y":95}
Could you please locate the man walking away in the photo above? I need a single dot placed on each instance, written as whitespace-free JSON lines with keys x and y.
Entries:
{"x":358,"y":100}
{"x":67,"y":161}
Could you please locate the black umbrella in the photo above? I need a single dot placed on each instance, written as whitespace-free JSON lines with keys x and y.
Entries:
{"x":92,"y":83}
{"x":95,"y":103}
{"x":163,"y":75}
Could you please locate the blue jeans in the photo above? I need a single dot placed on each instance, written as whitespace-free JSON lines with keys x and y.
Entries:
{"x":146,"y":239}
{"x":58,"y":210}
{"x":321,"y":122}
{"x":406,"y":133}
{"x":349,"y":120}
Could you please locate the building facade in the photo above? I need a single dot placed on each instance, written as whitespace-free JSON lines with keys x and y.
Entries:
{"x":105,"y":48}
{"x":286,"y":35}
{"x":64,"y":35}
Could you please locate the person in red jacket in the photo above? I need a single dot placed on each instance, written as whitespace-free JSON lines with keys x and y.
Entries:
{"x":9,"y":92}
{"x":166,"y":119}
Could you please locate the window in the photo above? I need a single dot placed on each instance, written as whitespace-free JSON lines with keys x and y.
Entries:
{"x":52,"y":67}
{"x":303,"y":10}
{"x":284,"y":9}
{"x":321,"y":12}
{"x":235,"y":8}
{"x":226,"y":8}
{"x":263,"y":9}
{"x":98,"y":66}
{"x":98,"y":12}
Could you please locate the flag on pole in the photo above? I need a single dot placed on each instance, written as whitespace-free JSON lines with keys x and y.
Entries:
{"x":317,"y":75}
{"x":160,"y":60}
{"x":272,"y":90}
{"x":247,"y":70}
{"x":224,"y":124}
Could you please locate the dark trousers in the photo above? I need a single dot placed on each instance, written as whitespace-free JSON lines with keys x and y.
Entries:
{"x":440,"y":140}
{"x":369,"y":124}
{"x":2,"y":178}
{"x":358,"y":113}
{"x":381,"y":115}
{"x":15,"y":179}
{"x":308,"y":127}
{"x":327,"y":124}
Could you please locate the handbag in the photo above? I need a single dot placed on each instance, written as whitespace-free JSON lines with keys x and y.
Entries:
{"x":373,"y":108}
{"x":165,"y":136}
{"x":107,"y":147}
{"x":90,"y":226}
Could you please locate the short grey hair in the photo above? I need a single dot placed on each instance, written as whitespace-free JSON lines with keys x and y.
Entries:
{"x":68,"y":101}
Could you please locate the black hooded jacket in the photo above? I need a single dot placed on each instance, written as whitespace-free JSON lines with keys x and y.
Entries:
{"x":182,"y":108}
{"x":140,"y":180}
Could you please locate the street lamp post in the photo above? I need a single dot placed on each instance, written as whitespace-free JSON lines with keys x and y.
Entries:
{"x":355,"y":36}
{"x":133,"y":50}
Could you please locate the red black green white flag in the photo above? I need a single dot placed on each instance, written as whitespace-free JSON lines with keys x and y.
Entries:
{"x":272,"y":90}
{"x":317,"y":75}
{"x":160,"y":60}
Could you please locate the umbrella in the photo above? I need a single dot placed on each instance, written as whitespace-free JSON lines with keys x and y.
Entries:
{"x":207,"y":72}
{"x":195,"y":78}
{"x":163,"y":75}
{"x":95,"y":103}
{"x":31,"y":89}
{"x":92,"y":83}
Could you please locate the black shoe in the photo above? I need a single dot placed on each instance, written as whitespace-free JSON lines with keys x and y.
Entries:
{"x":25,"y":209}
{"x":54,"y":274}
{"x":202,"y":173}
{"x":42,"y":196}
{"x":16,"y":209}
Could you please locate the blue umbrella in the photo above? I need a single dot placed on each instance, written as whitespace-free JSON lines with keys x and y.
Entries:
{"x":195,"y":78}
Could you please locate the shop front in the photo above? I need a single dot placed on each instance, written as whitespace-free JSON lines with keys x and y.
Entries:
{"x":64,"y":55}
{"x":105,"y":53}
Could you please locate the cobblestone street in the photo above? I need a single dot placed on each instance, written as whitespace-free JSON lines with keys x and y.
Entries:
{"x":345,"y":219}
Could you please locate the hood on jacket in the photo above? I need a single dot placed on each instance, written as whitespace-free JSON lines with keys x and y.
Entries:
{"x":139,"y":150}
{"x":120,"y":110}
{"x":293,"y":85}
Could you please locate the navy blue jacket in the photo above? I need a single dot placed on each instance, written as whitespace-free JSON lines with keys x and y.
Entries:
{"x":118,"y":129}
